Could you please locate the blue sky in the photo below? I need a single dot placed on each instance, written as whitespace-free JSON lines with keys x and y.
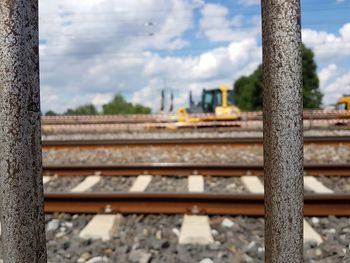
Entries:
{"x":93,"y":49}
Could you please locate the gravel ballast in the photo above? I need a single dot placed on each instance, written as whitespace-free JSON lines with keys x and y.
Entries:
{"x":194,"y":133}
{"x":224,"y":184}
{"x":156,"y":238}
{"x":317,"y":154}
{"x":336,"y":235}
{"x":62,"y":183}
{"x":168,"y":184}
{"x":337,"y":184}
{"x":179,"y":184}
{"x":113,"y":184}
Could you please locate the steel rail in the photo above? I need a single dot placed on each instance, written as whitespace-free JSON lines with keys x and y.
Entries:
{"x":186,"y":169}
{"x":181,"y":203}
{"x":185,"y":141}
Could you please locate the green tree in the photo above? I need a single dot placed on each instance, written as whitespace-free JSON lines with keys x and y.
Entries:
{"x":120,"y":106}
{"x":51,"y":113}
{"x":311,"y":93}
{"x":248,"y":89}
{"x":88,"y":109}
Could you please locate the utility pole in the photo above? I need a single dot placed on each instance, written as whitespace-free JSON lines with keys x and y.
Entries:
{"x":171,"y":107}
{"x":191,"y":99}
{"x":283,"y":131}
{"x":162,"y":101}
{"x":21,"y":188}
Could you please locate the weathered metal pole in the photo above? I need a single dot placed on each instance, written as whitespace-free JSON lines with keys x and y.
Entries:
{"x":283,"y":130}
{"x":21,"y":189}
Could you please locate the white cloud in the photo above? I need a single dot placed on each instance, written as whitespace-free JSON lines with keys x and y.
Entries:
{"x":95,"y":48}
{"x":331,"y":50}
{"x":338,"y":85}
{"x":149,"y":95}
{"x":251,"y":2}
{"x":216,"y":25}
{"x":208,"y":70}
{"x":101,"y":98}
{"x":91,"y":51}
{"x":326,"y":74}
{"x":327,"y":45}
{"x":232,"y":59}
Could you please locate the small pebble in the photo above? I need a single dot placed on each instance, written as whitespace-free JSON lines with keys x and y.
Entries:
{"x":227,"y":223}
{"x":97,"y":260}
{"x":315,"y":220}
{"x":53,"y":225}
{"x":206,"y":260}
{"x":176,"y":231}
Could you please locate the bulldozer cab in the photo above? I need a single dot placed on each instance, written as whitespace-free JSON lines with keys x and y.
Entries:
{"x":343,"y":103}
{"x":219,"y":103}
{"x":211,"y":99}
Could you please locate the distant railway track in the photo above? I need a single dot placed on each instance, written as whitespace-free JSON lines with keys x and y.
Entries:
{"x":167,"y":125}
{"x":47,"y":144}
{"x":171,"y":117}
{"x":313,"y":119}
{"x":185,"y":169}
{"x":180,"y":203}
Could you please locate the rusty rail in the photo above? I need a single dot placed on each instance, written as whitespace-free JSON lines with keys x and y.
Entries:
{"x":180,"y":203}
{"x":149,"y":126}
{"x":184,"y":141}
{"x":185,"y":169}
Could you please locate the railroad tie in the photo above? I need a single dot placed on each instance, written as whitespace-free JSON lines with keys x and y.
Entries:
{"x":86,"y":184}
{"x":46,"y":179}
{"x":102,"y":227}
{"x":312,"y":184}
{"x":195,"y":229}
{"x":196,"y":183}
{"x":105,"y":226}
{"x":253,"y":184}
{"x":310,"y":234}
{"x":141,"y":183}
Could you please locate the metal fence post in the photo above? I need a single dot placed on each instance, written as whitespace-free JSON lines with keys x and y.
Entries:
{"x":21,"y":189}
{"x":283,"y":130}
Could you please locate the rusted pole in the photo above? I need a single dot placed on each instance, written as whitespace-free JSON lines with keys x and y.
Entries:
{"x":21,"y":189}
{"x":283,"y":130}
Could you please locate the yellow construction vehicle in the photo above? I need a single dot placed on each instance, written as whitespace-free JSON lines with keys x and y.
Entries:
{"x":217,"y":103}
{"x":343,"y":104}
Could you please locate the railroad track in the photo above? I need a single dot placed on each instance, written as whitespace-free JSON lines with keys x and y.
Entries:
{"x":249,"y":204}
{"x":187,"y":203}
{"x":186,"y":169}
{"x":47,"y":144}
{"x":193,"y":201}
{"x":168,"y":117}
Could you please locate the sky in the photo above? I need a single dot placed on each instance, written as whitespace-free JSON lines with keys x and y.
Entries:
{"x":91,"y":50}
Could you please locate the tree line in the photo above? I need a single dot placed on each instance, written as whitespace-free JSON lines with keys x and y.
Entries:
{"x":117,"y":106}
